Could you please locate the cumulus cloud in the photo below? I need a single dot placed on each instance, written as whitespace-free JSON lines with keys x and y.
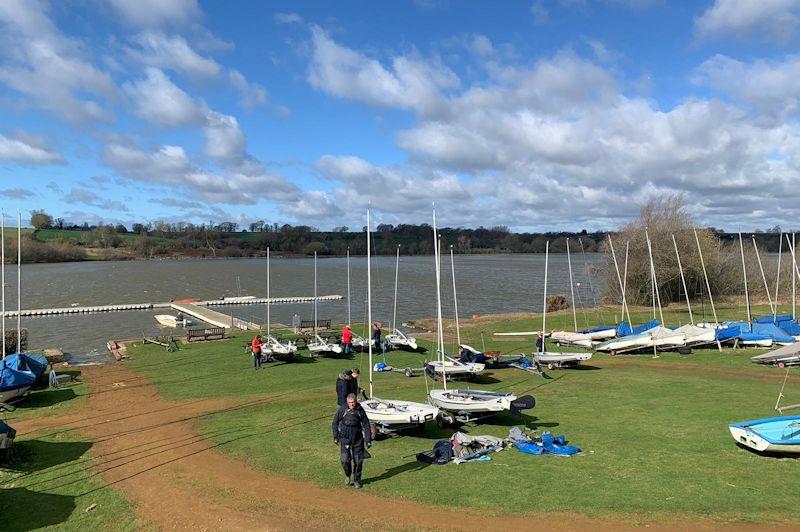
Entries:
{"x":253,"y":94}
{"x":27,"y":149}
{"x":171,"y":52}
{"x":16,"y":193}
{"x":83,"y":196}
{"x":224,"y":139}
{"x":772,"y":87}
{"x":47,"y":67}
{"x":167,"y":165}
{"x":161,"y":102}
{"x":157,"y":13}
{"x":409,"y":83}
{"x":775,"y":20}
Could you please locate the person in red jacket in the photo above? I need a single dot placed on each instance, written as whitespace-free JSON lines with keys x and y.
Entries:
{"x":257,"y":352}
{"x":347,"y":340}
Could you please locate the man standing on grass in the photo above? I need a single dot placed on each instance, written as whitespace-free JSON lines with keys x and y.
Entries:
{"x":343,"y":387}
{"x":351,"y":431}
{"x":347,"y":340}
{"x":257,"y":352}
{"x":353,"y":388}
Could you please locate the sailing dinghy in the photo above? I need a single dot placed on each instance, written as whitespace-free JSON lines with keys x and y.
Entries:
{"x":319,"y":345}
{"x":397,"y":339}
{"x":788,"y":355}
{"x":168,"y":320}
{"x":272,"y":346}
{"x":390,"y":415}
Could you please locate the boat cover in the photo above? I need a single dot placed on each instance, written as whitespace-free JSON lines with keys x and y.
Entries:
{"x":773,"y":331}
{"x":625,"y":329}
{"x":12,"y":379}
{"x":597,"y":329}
{"x":771,"y":319}
{"x":33,"y":362}
{"x":727,"y":332}
{"x":787,"y":353}
{"x":547,"y":444}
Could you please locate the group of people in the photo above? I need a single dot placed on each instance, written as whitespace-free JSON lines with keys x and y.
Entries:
{"x":351,"y":428}
{"x":347,"y":338}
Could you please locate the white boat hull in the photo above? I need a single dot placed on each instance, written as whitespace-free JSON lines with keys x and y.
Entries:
{"x":324,"y":348}
{"x":753,"y":441}
{"x":167,"y":320}
{"x":470,"y":401}
{"x":636,"y":341}
{"x":562,"y":358}
{"x":766,"y":342}
{"x":456,"y":369}
{"x":572,"y":338}
{"x":10,"y":395}
{"x":603,"y":334}
{"x":402,"y":341}
{"x":391,"y":412}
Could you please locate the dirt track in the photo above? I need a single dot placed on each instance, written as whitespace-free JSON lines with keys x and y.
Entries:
{"x":149,"y":449}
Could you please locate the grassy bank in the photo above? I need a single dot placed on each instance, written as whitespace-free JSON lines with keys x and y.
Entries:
{"x":653,"y":431}
{"x":49,"y":482}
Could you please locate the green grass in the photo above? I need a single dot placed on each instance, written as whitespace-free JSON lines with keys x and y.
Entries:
{"x":48,"y":484}
{"x":653,"y":431}
{"x":44,"y":401}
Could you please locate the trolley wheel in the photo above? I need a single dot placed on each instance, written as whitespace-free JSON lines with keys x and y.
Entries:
{"x":551,"y":366}
{"x":445,"y":419}
{"x":408,"y":372}
{"x":781,"y":365}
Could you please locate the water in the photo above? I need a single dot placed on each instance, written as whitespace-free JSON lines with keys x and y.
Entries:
{"x":486,"y":284}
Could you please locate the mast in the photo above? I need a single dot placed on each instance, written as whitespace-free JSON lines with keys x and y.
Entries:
{"x":544,"y":305}
{"x":315,"y":293}
{"x":794,"y":286}
{"x":369,"y":296}
{"x":396,"y":272}
{"x":778,"y":278}
{"x":625,"y":286}
{"x":744,"y":274}
{"x":655,"y":279}
{"x":348,"y":286}
{"x":3,"y":277}
{"x":705,"y":276}
{"x":572,"y":289}
{"x":619,"y":277}
{"x":683,"y":280}
{"x":19,"y":282}
{"x":764,"y":277}
{"x":439,"y":331}
{"x":268,"y":320}
{"x":455,"y":296}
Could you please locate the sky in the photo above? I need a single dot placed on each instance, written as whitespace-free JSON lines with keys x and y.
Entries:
{"x":536,"y":115}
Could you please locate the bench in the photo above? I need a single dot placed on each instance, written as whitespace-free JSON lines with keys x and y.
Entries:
{"x":308,"y":325}
{"x":207,"y":333}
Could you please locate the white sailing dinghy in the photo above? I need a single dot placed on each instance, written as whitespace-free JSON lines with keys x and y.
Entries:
{"x":271,"y":345}
{"x":390,"y":415}
{"x":168,"y":320}
{"x":320,"y":346}
{"x":575,"y":338}
{"x":358,"y":341}
{"x":465,"y":405}
{"x":397,"y":339}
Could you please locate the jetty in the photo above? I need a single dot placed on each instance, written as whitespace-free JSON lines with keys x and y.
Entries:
{"x":212,"y":317}
{"x":166,"y":305}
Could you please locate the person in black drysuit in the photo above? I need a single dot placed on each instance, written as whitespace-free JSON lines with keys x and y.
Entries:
{"x":539,"y":343}
{"x":353,"y":383}
{"x":351,"y":431}
{"x":343,"y":388}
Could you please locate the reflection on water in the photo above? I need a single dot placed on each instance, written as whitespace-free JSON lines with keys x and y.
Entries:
{"x":485,"y":283}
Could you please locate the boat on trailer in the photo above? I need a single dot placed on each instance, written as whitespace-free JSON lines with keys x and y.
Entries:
{"x":400,"y":340}
{"x":788,"y":355}
{"x":390,"y":415}
{"x":272,"y":346}
{"x":627,"y":343}
{"x":600,"y":333}
{"x":319,"y":345}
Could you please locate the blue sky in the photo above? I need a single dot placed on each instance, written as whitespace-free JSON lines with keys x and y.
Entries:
{"x":538,"y":115}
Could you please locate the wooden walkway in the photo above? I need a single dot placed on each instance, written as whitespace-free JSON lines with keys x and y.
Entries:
{"x":212,"y":317}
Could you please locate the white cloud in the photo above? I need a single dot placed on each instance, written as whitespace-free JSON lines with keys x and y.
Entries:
{"x":288,"y":18}
{"x":410,"y":82}
{"x":772,"y":87}
{"x":161,"y":102}
{"x":774,"y":20}
{"x":167,"y":165}
{"x":224,"y":139}
{"x":157,"y":13}
{"x":16,"y":193}
{"x":253,"y":94}
{"x":539,"y":12}
{"x":50,"y":69}
{"x":25,"y":149}
{"x":172,"y":52}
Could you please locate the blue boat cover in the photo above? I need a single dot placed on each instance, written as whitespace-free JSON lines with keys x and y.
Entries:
{"x":742,"y":325}
{"x":727,"y":333}
{"x":12,"y":379}
{"x":597,"y":329}
{"x":774,"y":332}
{"x":548,"y":444}
{"x":754,"y":337}
{"x":624,"y":329}
{"x":33,"y":362}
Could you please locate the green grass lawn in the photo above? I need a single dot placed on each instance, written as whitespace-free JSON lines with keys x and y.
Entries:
{"x":47,"y":482}
{"x":653,"y":431}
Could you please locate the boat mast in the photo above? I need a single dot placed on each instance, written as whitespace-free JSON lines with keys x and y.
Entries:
{"x":625,"y":285}
{"x":3,"y":277}
{"x":705,"y":276}
{"x":396,"y":272}
{"x":315,"y":293}
{"x":455,"y":296}
{"x":348,"y":286}
{"x":369,"y":296}
{"x":655,"y":279}
{"x":439,"y":331}
{"x":778,"y":278}
{"x":544,"y":297}
{"x":268,"y":320}
{"x":795,"y":271}
{"x":19,"y":282}
{"x":683,"y":279}
{"x":744,"y":274}
{"x":572,"y":289}
{"x":763,"y":277}
{"x":619,"y":277}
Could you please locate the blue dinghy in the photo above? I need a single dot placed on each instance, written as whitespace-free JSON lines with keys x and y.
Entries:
{"x":772,"y":434}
